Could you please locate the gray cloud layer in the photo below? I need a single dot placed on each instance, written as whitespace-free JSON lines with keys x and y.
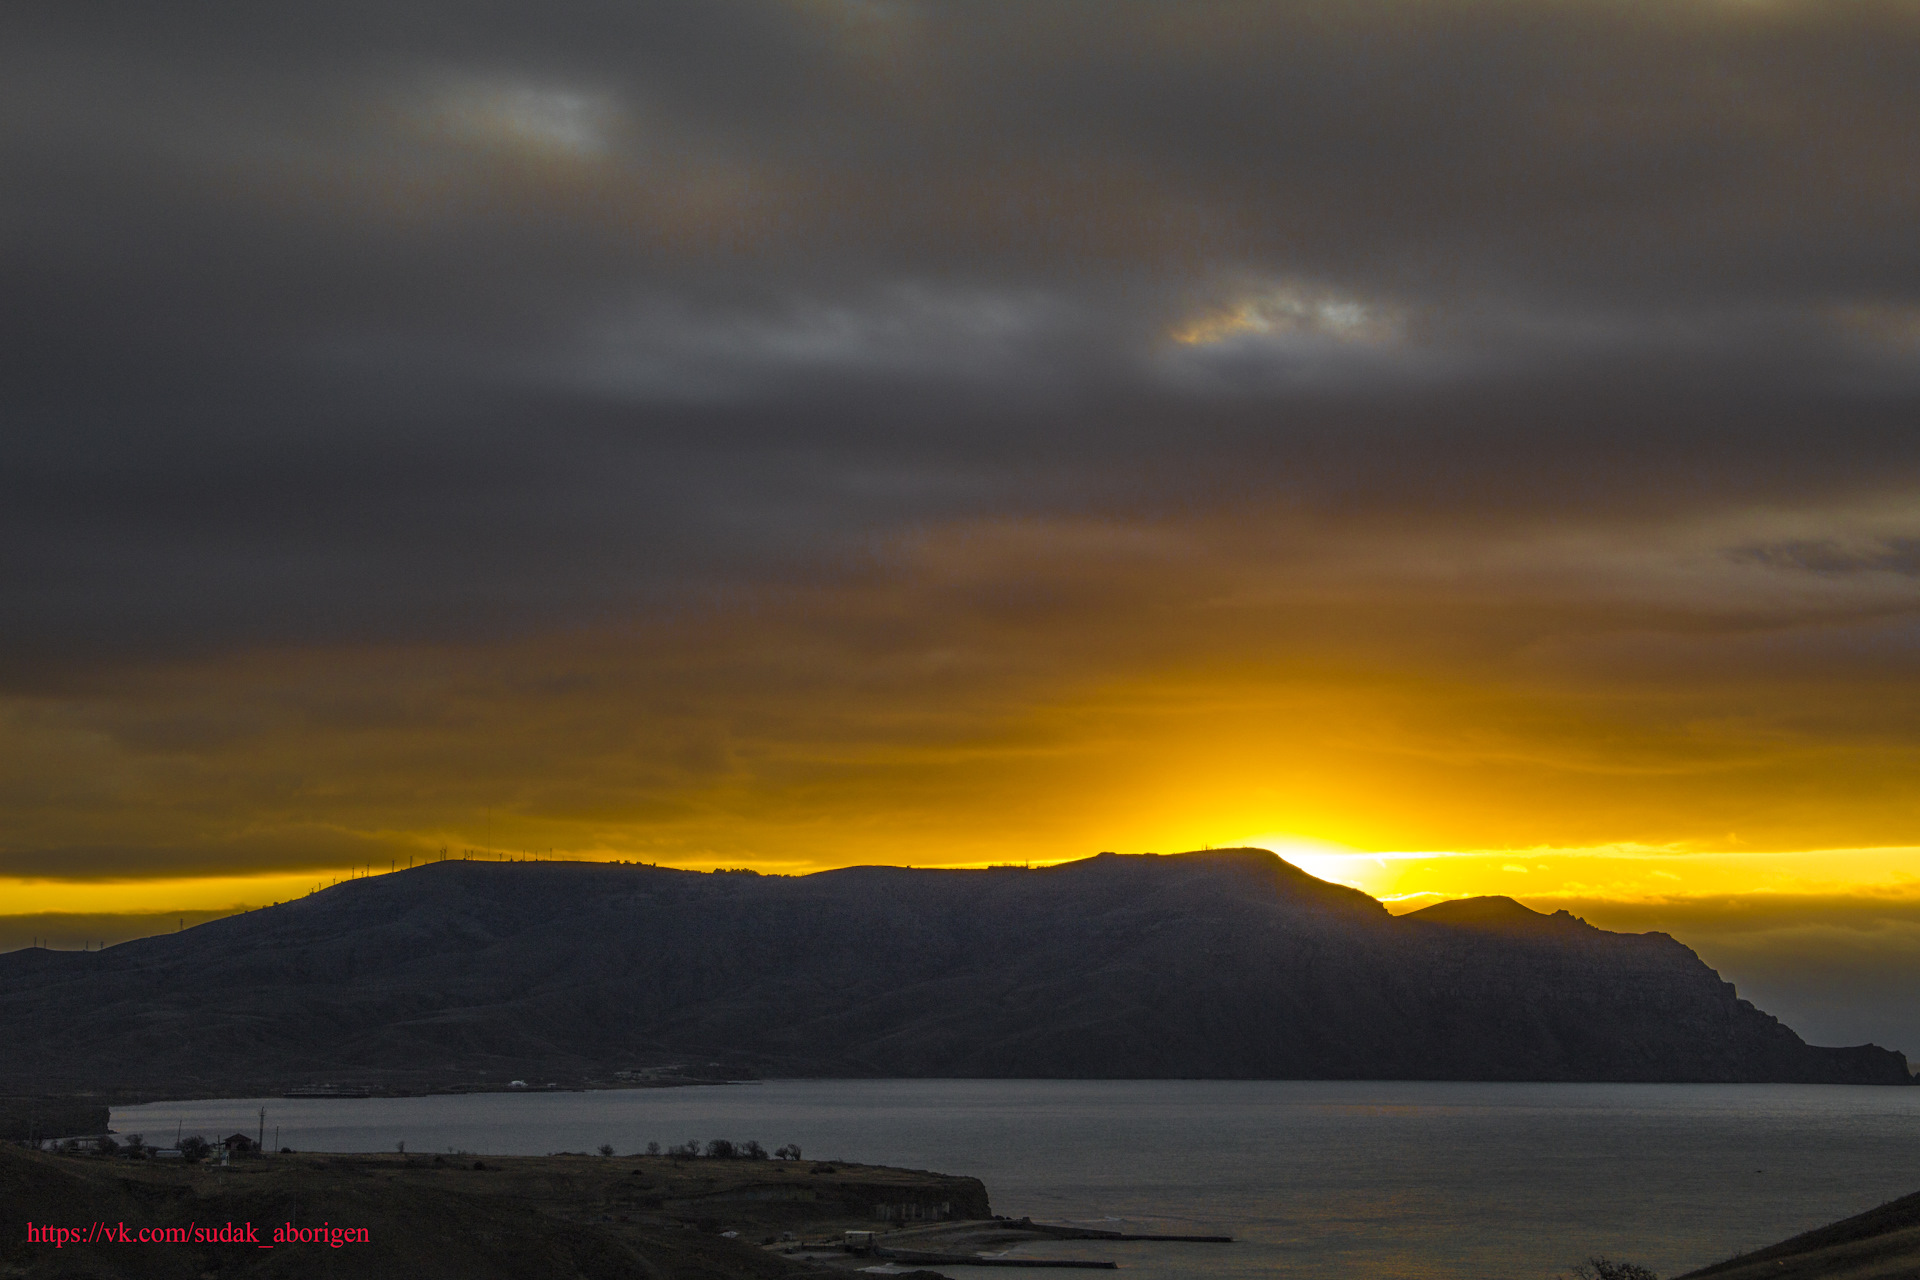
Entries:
{"x":429,"y":321}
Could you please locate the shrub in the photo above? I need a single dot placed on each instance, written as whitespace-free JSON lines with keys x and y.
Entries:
{"x":789,"y":1152}
{"x":194,"y":1148}
{"x":721,"y":1149}
{"x":1599,"y":1268}
{"x":752,"y":1150}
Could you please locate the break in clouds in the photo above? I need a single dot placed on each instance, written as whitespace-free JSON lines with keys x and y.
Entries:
{"x":735,"y":426}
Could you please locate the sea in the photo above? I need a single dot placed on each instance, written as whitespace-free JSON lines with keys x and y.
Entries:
{"x":1317,"y":1180}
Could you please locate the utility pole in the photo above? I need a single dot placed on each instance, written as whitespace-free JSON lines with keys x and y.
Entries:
{"x":263,"y":1130}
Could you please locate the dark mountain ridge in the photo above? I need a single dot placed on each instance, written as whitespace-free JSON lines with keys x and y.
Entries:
{"x":1223,"y":964}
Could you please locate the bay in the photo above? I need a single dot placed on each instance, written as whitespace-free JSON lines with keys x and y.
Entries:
{"x":1316,"y":1179}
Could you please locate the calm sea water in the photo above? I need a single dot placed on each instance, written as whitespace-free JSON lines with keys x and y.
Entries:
{"x":1316,"y":1179}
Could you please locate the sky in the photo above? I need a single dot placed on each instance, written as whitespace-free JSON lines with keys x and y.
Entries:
{"x":1468,"y":446}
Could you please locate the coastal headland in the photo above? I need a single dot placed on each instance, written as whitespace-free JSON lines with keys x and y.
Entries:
{"x":479,"y":1217}
{"x":1219,"y":964}
{"x":424,"y":1216}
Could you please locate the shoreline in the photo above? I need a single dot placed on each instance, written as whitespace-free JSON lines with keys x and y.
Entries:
{"x":147,"y":1095}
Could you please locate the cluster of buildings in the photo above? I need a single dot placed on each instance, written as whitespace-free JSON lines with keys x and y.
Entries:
{"x":236,"y":1144}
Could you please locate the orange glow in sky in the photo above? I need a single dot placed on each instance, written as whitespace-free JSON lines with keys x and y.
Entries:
{"x":1151,"y":688}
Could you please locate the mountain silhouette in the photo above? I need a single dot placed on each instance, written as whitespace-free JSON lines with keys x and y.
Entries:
{"x":1222,"y":964}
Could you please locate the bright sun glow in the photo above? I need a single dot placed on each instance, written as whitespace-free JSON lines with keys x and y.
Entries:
{"x":1404,"y":880}
{"x":1322,"y":859}
{"x":1409,"y":880}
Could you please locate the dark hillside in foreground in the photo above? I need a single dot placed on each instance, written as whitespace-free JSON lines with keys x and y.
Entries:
{"x":427,"y":1218}
{"x":1880,"y":1244}
{"x":1226,"y":964}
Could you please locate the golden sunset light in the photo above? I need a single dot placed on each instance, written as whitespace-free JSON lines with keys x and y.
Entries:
{"x":570,"y":456}
{"x":1214,"y":638}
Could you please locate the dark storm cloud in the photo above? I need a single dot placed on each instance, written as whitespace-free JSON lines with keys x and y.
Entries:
{"x":410,"y":320}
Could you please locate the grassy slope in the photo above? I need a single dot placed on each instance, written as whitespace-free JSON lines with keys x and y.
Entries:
{"x":1880,"y":1244}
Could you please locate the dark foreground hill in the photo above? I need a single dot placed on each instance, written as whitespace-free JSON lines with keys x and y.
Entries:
{"x":1880,"y":1244}
{"x":1226,"y":964}
{"x":428,"y":1218}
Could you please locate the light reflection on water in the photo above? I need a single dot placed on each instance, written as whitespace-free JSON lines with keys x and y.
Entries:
{"x":1316,"y":1178}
